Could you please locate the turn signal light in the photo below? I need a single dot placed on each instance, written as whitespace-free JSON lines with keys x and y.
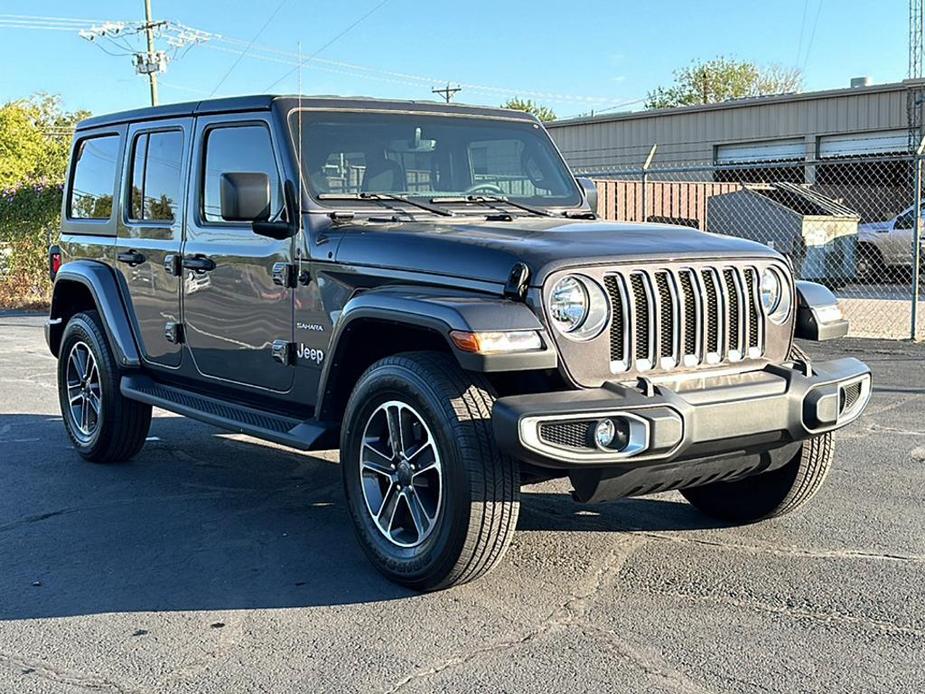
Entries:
{"x":496,"y":342}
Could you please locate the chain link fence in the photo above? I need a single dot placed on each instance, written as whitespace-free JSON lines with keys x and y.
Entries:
{"x":855,"y":228}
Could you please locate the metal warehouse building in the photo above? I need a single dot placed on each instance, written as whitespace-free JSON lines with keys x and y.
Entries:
{"x":808,"y":129}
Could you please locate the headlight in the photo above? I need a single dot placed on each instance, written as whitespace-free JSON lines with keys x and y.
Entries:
{"x":775,"y":295}
{"x":578,"y":307}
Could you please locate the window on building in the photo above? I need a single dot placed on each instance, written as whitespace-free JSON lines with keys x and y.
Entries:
{"x":155,"y":185}
{"x":94,"y":178}
{"x":237,"y":149}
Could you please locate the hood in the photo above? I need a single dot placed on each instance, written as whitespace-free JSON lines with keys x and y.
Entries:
{"x":486,"y":251}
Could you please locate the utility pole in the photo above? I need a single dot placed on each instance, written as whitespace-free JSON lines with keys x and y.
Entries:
{"x":149,"y":33}
{"x":447,"y":92}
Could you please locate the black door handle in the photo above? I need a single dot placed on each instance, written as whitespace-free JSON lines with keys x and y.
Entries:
{"x":133,"y":258}
{"x":198,"y":263}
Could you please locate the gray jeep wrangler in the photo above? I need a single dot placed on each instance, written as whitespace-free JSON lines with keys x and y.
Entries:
{"x":427,"y":287}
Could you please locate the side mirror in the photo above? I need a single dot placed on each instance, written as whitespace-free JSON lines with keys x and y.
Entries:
{"x":245,"y":197}
{"x":589,"y":188}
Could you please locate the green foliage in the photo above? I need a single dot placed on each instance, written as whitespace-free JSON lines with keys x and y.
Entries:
{"x":544,"y":113}
{"x":721,"y":79}
{"x":35,"y":136}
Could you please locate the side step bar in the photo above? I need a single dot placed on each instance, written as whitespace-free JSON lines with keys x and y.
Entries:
{"x":306,"y":435}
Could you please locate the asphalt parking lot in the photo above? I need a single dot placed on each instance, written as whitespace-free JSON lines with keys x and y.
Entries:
{"x":213,"y":563}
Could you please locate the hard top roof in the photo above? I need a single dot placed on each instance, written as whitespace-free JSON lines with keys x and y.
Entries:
{"x":265,"y":101}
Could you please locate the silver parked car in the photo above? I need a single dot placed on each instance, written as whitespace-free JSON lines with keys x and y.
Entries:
{"x":885,"y":248}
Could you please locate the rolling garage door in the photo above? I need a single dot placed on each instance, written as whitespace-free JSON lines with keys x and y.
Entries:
{"x":861,"y":144}
{"x":767,"y":151}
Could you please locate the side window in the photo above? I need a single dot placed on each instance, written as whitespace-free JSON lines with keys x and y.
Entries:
{"x":237,"y":149}
{"x":94,"y":178}
{"x":155,"y":187}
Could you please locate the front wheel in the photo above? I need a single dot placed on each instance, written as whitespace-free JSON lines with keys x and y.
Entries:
{"x":769,"y":494}
{"x":433,"y":501}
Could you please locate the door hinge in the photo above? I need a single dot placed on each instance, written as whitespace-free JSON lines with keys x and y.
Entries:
{"x":283,"y":352}
{"x":172,"y":264}
{"x":285,"y":275}
{"x":173,"y":332}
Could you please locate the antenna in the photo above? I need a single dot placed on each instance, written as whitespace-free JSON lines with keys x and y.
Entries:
{"x":914,"y":95}
{"x":301,"y":234}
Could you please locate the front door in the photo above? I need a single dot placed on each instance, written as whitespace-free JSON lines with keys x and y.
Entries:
{"x":232,"y":309}
{"x":150,"y":232}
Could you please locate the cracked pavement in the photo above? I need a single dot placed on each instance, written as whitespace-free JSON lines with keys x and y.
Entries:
{"x":215,"y":563}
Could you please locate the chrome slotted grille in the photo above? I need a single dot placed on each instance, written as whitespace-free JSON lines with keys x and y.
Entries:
{"x":664,"y":318}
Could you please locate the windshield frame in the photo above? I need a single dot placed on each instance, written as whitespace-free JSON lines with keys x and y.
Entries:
{"x":577,"y":198}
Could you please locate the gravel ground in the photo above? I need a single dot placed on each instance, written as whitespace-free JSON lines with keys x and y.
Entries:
{"x":214,"y":563}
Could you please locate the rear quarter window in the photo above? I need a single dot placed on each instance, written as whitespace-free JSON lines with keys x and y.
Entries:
{"x":94,"y":177}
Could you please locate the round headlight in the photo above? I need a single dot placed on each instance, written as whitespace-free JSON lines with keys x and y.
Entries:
{"x":770,"y":290}
{"x":568,"y":303}
{"x":578,"y":307}
{"x":775,"y":295}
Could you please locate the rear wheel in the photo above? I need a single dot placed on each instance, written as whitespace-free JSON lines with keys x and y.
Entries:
{"x":773,"y":493}
{"x":433,"y":501}
{"x":103,"y":425}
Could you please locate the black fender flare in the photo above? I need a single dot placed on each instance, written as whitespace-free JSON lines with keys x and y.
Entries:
{"x":441,"y":312}
{"x":818,"y":316}
{"x":100,"y":281}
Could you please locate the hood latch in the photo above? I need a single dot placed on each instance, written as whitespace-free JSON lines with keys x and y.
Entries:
{"x":516,"y":286}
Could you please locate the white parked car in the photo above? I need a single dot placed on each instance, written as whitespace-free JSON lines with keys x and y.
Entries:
{"x":885,"y":248}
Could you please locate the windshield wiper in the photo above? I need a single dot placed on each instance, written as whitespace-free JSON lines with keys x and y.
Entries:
{"x":387,"y":196}
{"x":495,"y":199}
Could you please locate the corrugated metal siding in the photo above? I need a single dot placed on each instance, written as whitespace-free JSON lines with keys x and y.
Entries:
{"x":689,"y":135}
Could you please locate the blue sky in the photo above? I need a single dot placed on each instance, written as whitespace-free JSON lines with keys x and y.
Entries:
{"x":572,"y":56}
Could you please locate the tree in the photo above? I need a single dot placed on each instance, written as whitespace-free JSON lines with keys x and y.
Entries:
{"x":544,"y":113}
{"x":35,"y":138}
{"x":721,"y":79}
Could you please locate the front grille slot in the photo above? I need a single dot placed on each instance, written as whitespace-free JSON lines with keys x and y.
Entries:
{"x":666,"y":332}
{"x":664,"y":318}
{"x":733,"y":301}
{"x":642,"y":326}
{"x":713,"y":311}
{"x":692,"y":327}
{"x":754,"y":311}
{"x":618,"y":355}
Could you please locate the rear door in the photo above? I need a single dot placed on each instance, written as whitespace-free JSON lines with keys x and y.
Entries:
{"x":233,"y":311}
{"x":150,"y":233}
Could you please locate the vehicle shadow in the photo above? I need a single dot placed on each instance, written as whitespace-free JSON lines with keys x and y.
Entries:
{"x":203,"y":521}
{"x":545,"y":511}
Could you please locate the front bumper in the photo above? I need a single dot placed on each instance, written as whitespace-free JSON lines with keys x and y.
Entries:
{"x":685,"y":418}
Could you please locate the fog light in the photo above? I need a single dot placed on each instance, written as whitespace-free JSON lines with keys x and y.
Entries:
{"x":612,"y":434}
{"x":604,"y":433}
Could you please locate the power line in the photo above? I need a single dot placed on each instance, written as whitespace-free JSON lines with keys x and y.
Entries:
{"x":342,"y":33}
{"x":802,"y":29}
{"x":179,"y":36}
{"x":249,"y":46}
{"x":812,"y":35}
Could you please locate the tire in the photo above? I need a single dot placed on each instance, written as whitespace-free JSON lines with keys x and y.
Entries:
{"x":470,"y":498}
{"x":109,"y":427}
{"x":773,"y":493}
{"x":869,"y":264}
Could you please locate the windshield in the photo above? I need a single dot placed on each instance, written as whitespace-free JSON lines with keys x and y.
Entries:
{"x":430,"y":157}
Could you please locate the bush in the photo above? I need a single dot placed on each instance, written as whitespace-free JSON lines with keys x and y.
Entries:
{"x":29,"y":223}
